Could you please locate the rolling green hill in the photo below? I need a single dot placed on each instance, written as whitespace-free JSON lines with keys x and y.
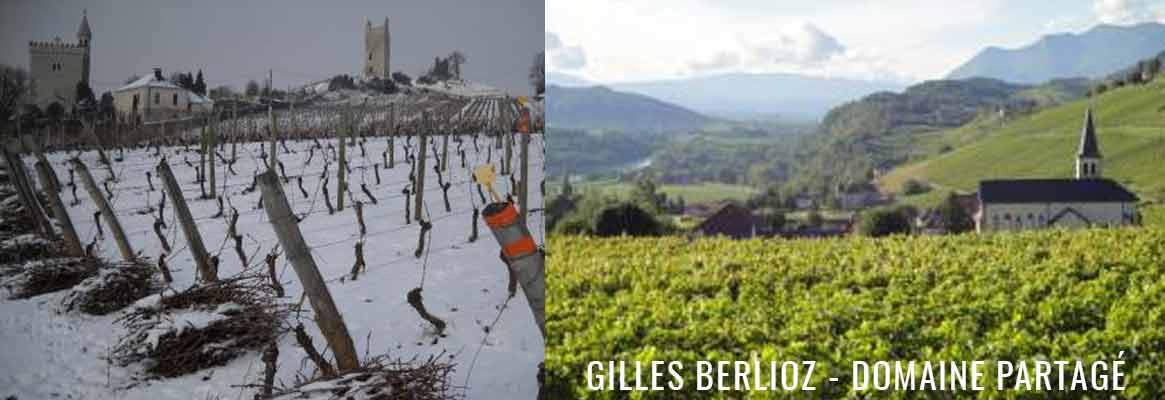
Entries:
{"x":885,"y":130}
{"x":1130,"y":123}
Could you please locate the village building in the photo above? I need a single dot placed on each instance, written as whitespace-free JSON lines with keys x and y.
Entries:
{"x":56,"y":67}
{"x":1088,"y":200}
{"x":861,"y":195}
{"x":731,"y":220}
{"x":153,"y":98}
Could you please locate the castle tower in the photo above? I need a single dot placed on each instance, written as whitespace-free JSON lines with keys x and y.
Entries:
{"x":56,"y":67}
{"x":377,"y":50}
{"x":84,"y":35}
{"x":1088,"y":158}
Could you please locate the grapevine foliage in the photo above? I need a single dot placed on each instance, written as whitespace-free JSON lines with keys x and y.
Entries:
{"x":1053,"y":295}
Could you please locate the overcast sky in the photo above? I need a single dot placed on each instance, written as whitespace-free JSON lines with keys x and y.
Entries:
{"x":899,"y":40}
{"x":302,"y":40}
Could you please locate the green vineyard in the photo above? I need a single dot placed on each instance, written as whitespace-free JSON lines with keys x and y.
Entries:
{"x":1050,"y":295}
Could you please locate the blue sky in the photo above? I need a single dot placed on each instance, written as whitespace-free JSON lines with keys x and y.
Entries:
{"x":899,"y":40}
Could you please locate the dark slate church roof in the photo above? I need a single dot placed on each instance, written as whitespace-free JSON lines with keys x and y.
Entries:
{"x":731,"y":220}
{"x":1053,"y":191}
{"x":1088,"y":145}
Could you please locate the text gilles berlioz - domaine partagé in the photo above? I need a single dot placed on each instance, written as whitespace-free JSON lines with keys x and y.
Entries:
{"x":893,"y":375}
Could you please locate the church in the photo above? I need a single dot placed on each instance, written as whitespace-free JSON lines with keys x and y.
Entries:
{"x":1089,"y":200}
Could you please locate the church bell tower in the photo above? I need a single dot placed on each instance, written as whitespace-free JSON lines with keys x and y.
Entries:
{"x":1088,"y":158}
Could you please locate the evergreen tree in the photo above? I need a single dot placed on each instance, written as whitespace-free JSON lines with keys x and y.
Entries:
{"x":955,"y":219}
{"x":626,"y":219}
{"x":107,"y":108}
{"x":883,"y":222}
{"x":538,"y":73}
{"x":84,"y":93}
{"x":199,"y":84}
{"x":456,"y":58}
{"x":252,"y":88}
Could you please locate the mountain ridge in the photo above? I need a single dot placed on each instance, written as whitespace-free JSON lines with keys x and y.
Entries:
{"x":1090,"y":54}
{"x":749,"y":95}
{"x":602,"y":108}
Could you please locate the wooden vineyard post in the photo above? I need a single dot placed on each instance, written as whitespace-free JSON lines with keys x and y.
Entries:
{"x":523,"y":185}
{"x":193,"y":238}
{"x":274,"y":133}
{"x":211,"y":146}
{"x":445,"y":151}
{"x":508,"y":137}
{"x":391,"y":135}
{"x":27,"y":195}
{"x":202,"y":150}
{"x":106,"y":211}
{"x":341,"y":184}
{"x":291,"y":116}
{"x":48,"y":181}
{"x":235,"y":130}
{"x":521,"y":255}
{"x":286,"y":227}
{"x":419,"y":190}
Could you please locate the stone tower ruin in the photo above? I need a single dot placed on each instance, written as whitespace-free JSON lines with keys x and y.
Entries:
{"x":377,"y":50}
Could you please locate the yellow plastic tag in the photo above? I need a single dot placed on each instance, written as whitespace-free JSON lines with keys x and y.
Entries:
{"x":486,"y":176}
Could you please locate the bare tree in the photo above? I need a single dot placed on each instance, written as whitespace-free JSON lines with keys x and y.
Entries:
{"x":456,"y":58}
{"x":13,"y":87}
{"x":538,"y":73}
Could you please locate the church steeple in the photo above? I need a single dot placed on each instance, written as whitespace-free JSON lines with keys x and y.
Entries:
{"x":1088,"y":157}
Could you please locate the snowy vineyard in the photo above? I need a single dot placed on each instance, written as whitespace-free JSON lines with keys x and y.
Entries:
{"x":317,"y":119}
{"x":463,"y":326}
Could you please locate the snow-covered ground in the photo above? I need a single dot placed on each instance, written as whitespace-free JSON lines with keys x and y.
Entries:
{"x":462,"y":88}
{"x":48,"y":354}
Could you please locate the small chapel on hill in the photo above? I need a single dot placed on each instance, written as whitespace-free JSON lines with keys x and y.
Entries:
{"x":1089,"y":200}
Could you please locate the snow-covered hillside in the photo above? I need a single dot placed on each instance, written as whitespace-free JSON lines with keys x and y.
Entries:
{"x":52,"y":354}
{"x":463,"y":88}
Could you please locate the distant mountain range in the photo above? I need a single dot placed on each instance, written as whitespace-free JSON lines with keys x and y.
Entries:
{"x":600,"y":108}
{"x":783,"y":96}
{"x":1092,"y":54}
{"x":790,"y":97}
{"x":567,"y":80}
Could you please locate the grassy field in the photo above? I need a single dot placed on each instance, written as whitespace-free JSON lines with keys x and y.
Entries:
{"x":1130,"y":124}
{"x":1053,"y":295}
{"x":1154,"y":215}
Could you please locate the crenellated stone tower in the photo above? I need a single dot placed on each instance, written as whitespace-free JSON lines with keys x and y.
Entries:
{"x":377,"y":50}
{"x":56,"y":67}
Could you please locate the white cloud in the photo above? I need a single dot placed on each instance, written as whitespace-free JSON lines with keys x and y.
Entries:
{"x":887,"y":39}
{"x":562,"y":57}
{"x":1123,"y":12}
{"x":568,"y":58}
{"x":552,"y":41}
{"x":806,"y":44}
{"x":721,"y":61}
